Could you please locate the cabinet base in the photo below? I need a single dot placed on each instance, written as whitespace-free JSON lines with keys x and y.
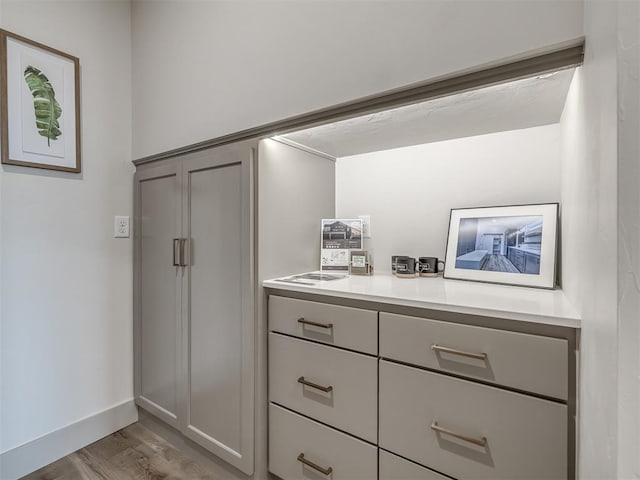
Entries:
{"x":218,"y":467}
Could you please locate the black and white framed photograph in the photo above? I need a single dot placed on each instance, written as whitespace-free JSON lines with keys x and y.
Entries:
{"x":514,"y":245}
{"x":40,"y":96}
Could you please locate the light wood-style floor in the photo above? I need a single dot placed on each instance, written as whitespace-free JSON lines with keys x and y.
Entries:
{"x":134,"y":453}
{"x":499,"y":263}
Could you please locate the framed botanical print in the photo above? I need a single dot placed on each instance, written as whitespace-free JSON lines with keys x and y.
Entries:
{"x":40,"y":95}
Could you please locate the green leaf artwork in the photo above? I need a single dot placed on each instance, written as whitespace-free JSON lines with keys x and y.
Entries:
{"x":46,"y":107}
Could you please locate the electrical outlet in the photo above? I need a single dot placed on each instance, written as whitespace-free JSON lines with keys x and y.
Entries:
{"x":366,"y":225}
{"x":121,"y":226}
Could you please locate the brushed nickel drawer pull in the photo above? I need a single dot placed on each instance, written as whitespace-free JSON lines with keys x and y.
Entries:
{"x":315,"y":385}
{"x":324,"y":471}
{"x":315,"y":324}
{"x":438,"y":348}
{"x":476,"y":441}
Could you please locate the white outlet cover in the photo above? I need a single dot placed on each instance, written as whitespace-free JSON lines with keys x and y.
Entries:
{"x":121,"y":226}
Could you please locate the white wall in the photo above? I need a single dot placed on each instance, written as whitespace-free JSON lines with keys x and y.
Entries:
{"x":202,"y":69}
{"x":590,"y":231}
{"x":295,"y":190}
{"x":629,"y":239}
{"x":410,"y":191}
{"x":66,"y":313}
{"x":2,"y":408}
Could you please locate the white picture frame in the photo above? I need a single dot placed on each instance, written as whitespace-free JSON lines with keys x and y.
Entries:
{"x":511,"y":245}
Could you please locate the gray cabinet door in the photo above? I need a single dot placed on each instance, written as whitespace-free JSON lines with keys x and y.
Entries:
{"x":519,"y":260}
{"x":157,"y":292}
{"x":467,"y":236}
{"x":218,"y":314}
{"x":532,"y":264}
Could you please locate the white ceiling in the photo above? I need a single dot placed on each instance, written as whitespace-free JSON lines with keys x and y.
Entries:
{"x":510,"y":106}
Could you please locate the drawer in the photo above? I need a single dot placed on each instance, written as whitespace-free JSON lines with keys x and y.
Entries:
{"x":291,"y":435}
{"x":393,"y":467}
{"x":352,"y":403}
{"x":345,"y":327}
{"x":526,"y":362}
{"x":526,"y":437}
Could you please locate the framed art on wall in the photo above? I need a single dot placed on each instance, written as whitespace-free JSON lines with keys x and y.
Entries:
{"x":514,"y":245}
{"x":40,"y":95}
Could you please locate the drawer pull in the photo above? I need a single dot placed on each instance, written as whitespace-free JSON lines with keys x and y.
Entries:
{"x":315,"y":385}
{"x":315,"y":324}
{"x":324,"y":471}
{"x":476,"y":441}
{"x":438,"y":348}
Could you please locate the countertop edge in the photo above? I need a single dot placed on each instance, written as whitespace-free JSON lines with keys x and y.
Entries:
{"x":573,"y":321}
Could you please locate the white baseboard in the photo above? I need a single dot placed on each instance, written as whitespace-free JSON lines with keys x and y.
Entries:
{"x":31,"y":456}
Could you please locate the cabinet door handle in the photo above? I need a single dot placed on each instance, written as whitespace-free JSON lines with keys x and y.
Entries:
{"x":438,"y":348}
{"x":185,"y":252}
{"x":176,"y":246}
{"x":324,"y":471}
{"x":315,"y":385}
{"x":315,"y":324}
{"x":476,"y":441}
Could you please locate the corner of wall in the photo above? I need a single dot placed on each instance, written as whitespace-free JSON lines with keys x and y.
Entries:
{"x":628,"y":239}
{"x":31,"y":456}
{"x":66,"y":315}
{"x":590,"y":230}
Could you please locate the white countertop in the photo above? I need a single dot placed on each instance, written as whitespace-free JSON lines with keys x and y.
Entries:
{"x":473,"y":256}
{"x":535,"y":251}
{"x":514,"y":303}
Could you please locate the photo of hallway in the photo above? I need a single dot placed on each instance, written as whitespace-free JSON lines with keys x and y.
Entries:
{"x":500,"y":244}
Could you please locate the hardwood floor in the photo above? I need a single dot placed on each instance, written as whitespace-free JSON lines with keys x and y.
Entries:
{"x":499,"y":263}
{"x":134,"y":453}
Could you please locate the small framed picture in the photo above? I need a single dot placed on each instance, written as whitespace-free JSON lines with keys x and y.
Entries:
{"x":514,"y":245}
{"x":40,"y":95}
{"x":360,"y":263}
{"x":337,"y":237}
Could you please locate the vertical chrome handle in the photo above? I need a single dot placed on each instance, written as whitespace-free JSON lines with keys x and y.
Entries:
{"x":476,"y":441}
{"x":176,"y":246}
{"x":324,"y":471}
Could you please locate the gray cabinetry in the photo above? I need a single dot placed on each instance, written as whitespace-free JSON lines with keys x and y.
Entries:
{"x":157,"y":326}
{"x":453,"y":400}
{"x":467,"y":237}
{"x":469,"y":430}
{"x":194,"y":298}
{"x":532,"y":263}
{"x":525,"y":262}
{"x":532,"y":363}
{"x":199,"y":334}
{"x":334,"y":388}
{"x":518,"y":260}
